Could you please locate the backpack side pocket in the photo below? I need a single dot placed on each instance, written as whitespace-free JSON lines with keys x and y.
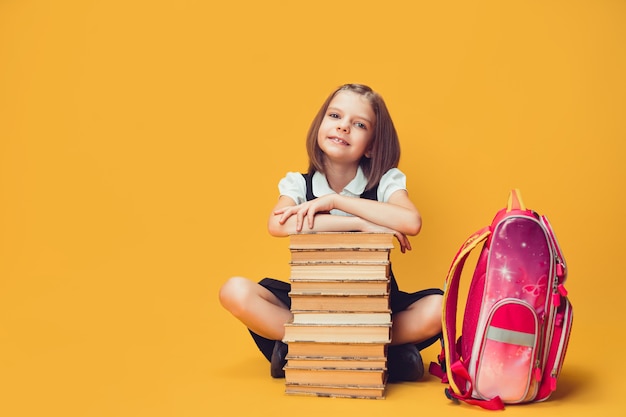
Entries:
{"x":507,"y":361}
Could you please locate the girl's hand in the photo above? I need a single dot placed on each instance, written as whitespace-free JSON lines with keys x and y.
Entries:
{"x":405,"y":245}
{"x":306,"y":211}
{"x":305,"y":214}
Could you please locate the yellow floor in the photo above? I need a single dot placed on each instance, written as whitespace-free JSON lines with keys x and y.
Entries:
{"x":589,"y":385}
{"x":141,"y":143}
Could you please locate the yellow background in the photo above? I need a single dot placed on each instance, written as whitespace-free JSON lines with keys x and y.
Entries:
{"x":141,"y":143}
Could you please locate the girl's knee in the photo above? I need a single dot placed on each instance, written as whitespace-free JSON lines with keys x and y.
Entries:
{"x":436,"y":304}
{"x":432,"y":312}
{"x":233,"y":293}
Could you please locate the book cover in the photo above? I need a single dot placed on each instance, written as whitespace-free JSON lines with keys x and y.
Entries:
{"x":346,"y":391}
{"x":341,"y":333}
{"x":337,"y":363}
{"x":325,"y":317}
{"x":301,"y":302}
{"x":341,"y":240}
{"x":337,"y":350}
{"x":339,"y":256}
{"x":358,"y":377}
{"x":340,"y":286}
{"x":363,"y":271}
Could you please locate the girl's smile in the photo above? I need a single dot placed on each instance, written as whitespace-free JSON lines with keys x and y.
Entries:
{"x":339,"y":140}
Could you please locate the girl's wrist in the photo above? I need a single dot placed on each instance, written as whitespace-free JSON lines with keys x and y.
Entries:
{"x":335,"y":201}
{"x":360,"y":224}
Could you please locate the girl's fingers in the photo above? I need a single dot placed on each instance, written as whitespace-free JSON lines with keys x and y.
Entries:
{"x":311,"y":218}
{"x":285,"y":215}
{"x":303,"y":212}
{"x":300,"y":220}
{"x":404,"y":242}
{"x":298,"y":223}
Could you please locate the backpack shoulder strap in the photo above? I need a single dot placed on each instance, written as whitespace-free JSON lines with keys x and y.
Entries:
{"x":450,"y":305}
{"x":458,"y":378}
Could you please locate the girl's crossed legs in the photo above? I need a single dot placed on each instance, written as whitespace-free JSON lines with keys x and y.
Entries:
{"x":415,"y":326}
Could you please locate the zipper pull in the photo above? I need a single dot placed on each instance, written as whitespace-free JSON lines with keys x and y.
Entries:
{"x":560,"y":269}
{"x":556,"y":299}
{"x":562,"y":290}
{"x":553,"y":381}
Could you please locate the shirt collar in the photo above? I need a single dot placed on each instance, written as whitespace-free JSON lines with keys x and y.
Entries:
{"x":354,"y":187}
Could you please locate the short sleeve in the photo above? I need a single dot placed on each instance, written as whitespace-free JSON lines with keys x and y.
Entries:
{"x":392,"y":181}
{"x":293,"y":185}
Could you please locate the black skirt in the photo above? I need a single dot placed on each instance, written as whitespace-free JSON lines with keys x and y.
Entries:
{"x":398,"y":301}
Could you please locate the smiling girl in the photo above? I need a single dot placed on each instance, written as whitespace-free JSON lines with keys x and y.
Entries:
{"x":352,"y":184}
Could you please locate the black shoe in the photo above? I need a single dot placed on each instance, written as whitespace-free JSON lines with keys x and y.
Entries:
{"x":279,"y":360}
{"x":404,"y":363}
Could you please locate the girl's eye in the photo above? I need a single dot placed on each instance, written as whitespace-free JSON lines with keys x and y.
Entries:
{"x":360,"y":125}
{"x":333,"y":115}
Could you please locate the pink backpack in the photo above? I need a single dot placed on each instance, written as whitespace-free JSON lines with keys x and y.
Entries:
{"x":517,"y":319}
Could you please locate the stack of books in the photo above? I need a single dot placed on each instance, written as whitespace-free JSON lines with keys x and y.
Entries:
{"x":341,"y":319}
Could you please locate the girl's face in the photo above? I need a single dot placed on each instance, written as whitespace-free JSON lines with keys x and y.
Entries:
{"x":346,"y":132}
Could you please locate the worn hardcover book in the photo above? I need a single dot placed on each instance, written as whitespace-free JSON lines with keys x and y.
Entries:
{"x":341,"y":240}
{"x":346,"y":391}
{"x":362,"y":271}
{"x":338,"y":302}
{"x":325,"y":317}
{"x":340,"y":256}
{"x":337,"y":363}
{"x":341,"y":286}
{"x":337,"y":350}
{"x":319,"y":376}
{"x":341,"y":333}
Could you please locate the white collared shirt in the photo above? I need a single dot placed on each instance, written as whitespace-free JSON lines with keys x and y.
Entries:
{"x":293,"y":185}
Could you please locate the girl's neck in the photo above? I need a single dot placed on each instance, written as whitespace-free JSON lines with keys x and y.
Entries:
{"x":338,"y":176}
